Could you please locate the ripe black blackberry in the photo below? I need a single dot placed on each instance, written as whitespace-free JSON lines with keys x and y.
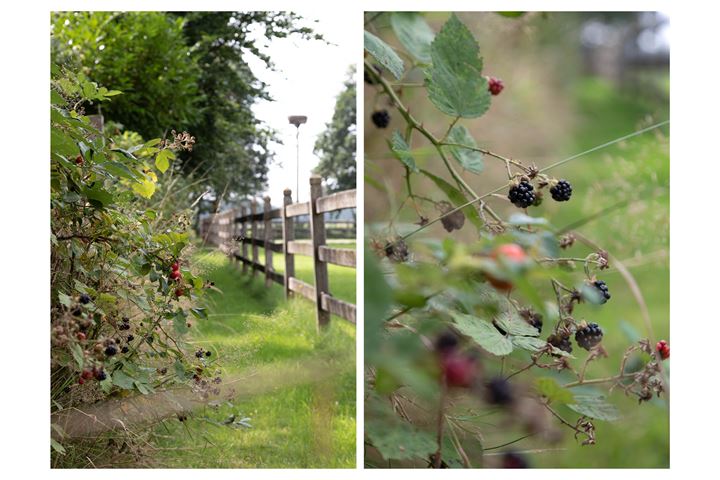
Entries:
{"x":84,"y":298}
{"x":397,"y":250}
{"x":199,"y":353}
{"x":110,"y":350}
{"x":561,"y":342}
{"x":533,"y":318}
{"x":130,"y":338}
{"x":381,"y":118}
{"x":446,"y":342}
{"x":561,"y":191}
{"x":603,"y":288}
{"x":589,"y":336}
{"x":522,"y":195}
{"x":207,"y":354}
{"x":124,"y":350}
{"x":101,"y":375}
{"x":499,"y":391}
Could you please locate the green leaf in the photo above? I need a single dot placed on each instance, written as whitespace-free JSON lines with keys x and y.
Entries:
{"x":457,"y":198}
{"x":119,"y":170}
{"x":56,"y":98}
{"x":64,"y":299}
{"x":550,"y":389}
{"x":77,"y":354}
{"x":514,"y":325}
{"x":595,"y":406}
{"x":57,"y":447}
{"x":98,"y":195}
{"x":531,"y":344}
{"x":121,"y":380}
{"x":401,"y":149}
{"x":414,"y":34}
{"x":180,"y":323}
{"x":71,"y":197}
{"x":145,"y":188}
{"x":470,"y":160}
{"x":162,"y":160}
{"x":400,"y":440}
{"x":484,"y":333}
{"x":378,"y":299}
{"x":199,"y":312}
{"x":383,"y":53}
{"x":454,"y":80}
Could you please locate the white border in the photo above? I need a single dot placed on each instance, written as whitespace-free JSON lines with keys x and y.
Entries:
{"x":694,"y":251}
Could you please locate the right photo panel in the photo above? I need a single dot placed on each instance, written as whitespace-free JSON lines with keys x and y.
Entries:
{"x":516,"y":270}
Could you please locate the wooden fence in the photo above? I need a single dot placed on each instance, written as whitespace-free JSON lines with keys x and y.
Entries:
{"x":240,"y":233}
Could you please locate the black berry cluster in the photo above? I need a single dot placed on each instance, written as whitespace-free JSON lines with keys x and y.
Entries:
{"x":522,"y":195}
{"x":603,"y":288}
{"x":499,"y":391}
{"x":125,"y":324}
{"x":381,"y":118}
{"x":84,"y":298}
{"x":561,"y":342}
{"x":589,"y":336}
{"x":533,"y":318}
{"x":110,"y":350}
{"x":561,"y":191}
{"x":199,"y":353}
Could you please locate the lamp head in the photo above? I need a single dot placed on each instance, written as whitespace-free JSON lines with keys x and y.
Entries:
{"x":297,"y":120}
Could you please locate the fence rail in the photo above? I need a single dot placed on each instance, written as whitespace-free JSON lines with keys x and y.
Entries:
{"x":240,"y":233}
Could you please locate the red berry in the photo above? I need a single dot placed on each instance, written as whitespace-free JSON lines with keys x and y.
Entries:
{"x":87,"y":373}
{"x":510,"y":251}
{"x":663,"y":349}
{"x":458,"y":370}
{"x":179,"y":292}
{"x":175,"y":266}
{"x":81,"y":336}
{"x":495,"y":85}
{"x":79,"y":160}
{"x":81,"y":380}
{"x":175,"y":275}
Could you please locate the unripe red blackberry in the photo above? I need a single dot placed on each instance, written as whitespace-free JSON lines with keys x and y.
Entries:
{"x":459,"y":370}
{"x":522,"y":195}
{"x":589,"y":336}
{"x":175,"y":275}
{"x":495,"y":85}
{"x":561,"y":191}
{"x":381,"y":118}
{"x":663,"y":349}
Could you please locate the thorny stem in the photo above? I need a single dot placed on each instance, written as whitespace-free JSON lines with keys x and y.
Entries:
{"x":596,"y":381}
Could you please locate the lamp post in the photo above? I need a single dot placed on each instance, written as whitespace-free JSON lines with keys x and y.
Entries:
{"x":297,"y":120}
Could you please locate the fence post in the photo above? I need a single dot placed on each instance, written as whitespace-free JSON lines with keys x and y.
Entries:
{"x":243,"y":234}
{"x":317,"y":233}
{"x":253,"y":226}
{"x":268,"y":240}
{"x":288,"y":236}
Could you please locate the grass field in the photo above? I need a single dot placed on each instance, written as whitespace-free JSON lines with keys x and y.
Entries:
{"x":257,"y":335}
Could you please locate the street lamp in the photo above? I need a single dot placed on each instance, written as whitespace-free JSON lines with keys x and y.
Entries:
{"x":297,"y":120}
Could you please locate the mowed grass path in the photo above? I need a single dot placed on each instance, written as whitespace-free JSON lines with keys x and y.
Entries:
{"x":258,"y":338}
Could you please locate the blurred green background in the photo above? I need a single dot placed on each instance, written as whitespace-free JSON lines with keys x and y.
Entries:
{"x":572,"y":81}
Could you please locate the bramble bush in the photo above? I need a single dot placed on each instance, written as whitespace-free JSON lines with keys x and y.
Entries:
{"x":451,"y":326}
{"x":123,"y":296}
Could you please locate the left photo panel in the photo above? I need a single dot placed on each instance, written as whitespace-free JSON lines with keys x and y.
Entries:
{"x":203,"y":236}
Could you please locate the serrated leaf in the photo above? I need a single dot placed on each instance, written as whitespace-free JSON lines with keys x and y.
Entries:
{"x":531,"y":344}
{"x":180,"y":323}
{"x":400,"y":440}
{"x":470,"y":160}
{"x":414,"y":34}
{"x":550,"y":389}
{"x":514,"y":325}
{"x":483,"y":333}
{"x":384,"y":54}
{"x":595,"y":406}
{"x":119,"y":170}
{"x":454,"y":81}
{"x":457,"y":198}
{"x":401,"y":149}
{"x":162,"y":160}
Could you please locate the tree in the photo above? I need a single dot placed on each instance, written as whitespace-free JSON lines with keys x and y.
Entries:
{"x":336,"y":145}
{"x":188,"y":71}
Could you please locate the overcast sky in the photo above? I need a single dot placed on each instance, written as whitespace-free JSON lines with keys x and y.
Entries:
{"x":310,"y":75}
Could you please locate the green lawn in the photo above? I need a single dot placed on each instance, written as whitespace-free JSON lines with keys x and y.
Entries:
{"x":262,"y":340}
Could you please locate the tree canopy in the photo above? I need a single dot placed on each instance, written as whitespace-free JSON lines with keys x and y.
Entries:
{"x":184,"y":71}
{"x":336,"y":145}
